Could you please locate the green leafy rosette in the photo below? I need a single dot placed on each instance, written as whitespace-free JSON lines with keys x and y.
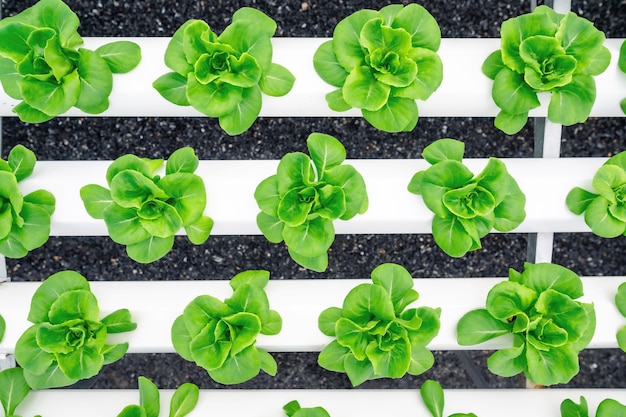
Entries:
{"x":466,"y":206}
{"x":539,"y":308}
{"x":24,"y":220}
{"x":68,"y":340}
{"x":42,"y":64}
{"x":381,"y":62}
{"x":375,"y":334}
{"x":144,"y":211}
{"x":299,"y":203}
{"x":604,"y":212}
{"x":224,"y":75}
{"x":545,"y":51}
{"x":220,"y":336}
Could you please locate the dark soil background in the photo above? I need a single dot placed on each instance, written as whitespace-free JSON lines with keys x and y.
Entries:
{"x":352,"y":256}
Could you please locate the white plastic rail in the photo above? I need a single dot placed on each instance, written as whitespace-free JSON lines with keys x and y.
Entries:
{"x":464,"y":92}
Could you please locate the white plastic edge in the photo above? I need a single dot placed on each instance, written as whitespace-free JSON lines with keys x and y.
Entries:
{"x":154,"y":306}
{"x":338,"y":403}
{"x":464,"y":92}
{"x":230,"y":187}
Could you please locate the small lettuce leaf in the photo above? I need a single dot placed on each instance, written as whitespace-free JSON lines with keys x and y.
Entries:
{"x":545,"y":51}
{"x":466,"y":206}
{"x":67,"y":341}
{"x":144,"y":211}
{"x":299,"y":203}
{"x":43,"y":66}
{"x":539,"y":308}
{"x":375,"y":336}
{"x":382,"y":61}
{"x":224,"y":76}
{"x":221,"y":336}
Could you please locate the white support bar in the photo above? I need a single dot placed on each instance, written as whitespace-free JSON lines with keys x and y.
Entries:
{"x":465,"y":91}
{"x":338,"y":403}
{"x":230,"y":189}
{"x":155,"y":305}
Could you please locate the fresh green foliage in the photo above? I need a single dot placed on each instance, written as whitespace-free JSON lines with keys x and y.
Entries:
{"x":545,"y":51}
{"x":549,"y":327}
{"x":605,"y":212}
{"x":3,"y":326}
{"x":432,"y":395}
{"x":299,"y":203}
{"x":144,"y":211}
{"x":223,"y":76}
{"x":381,"y":62}
{"x":42,"y":65}
{"x":221,"y":336}
{"x":13,"y":390}
{"x":293,"y":409}
{"x":24,"y":220}
{"x":607,"y":408}
{"x":182,"y":403}
{"x":466,"y":207}
{"x":622,"y":66}
{"x":376,"y":336}
{"x":620,"y":302}
{"x":68,"y":340}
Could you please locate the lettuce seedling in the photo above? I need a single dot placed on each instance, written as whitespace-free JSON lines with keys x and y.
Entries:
{"x":605,"y":212}
{"x":42,"y":65}
{"x":376,"y":336}
{"x":538,"y":308}
{"x":622,"y":66}
{"x":3,"y":327}
{"x":68,"y":340}
{"x":13,"y":390}
{"x":182,"y":403}
{"x":607,"y":408}
{"x":293,"y":409}
{"x":299,"y":203}
{"x":620,"y":303}
{"x":432,"y":396}
{"x":221,"y":336}
{"x":466,"y":207}
{"x":381,"y":62}
{"x":144,"y":211}
{"x":545,"y":51}
{"x":223,"y":76}
{"x":24,"y":220}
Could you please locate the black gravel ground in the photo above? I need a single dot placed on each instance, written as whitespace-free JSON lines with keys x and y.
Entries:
{"x":352,"y":256}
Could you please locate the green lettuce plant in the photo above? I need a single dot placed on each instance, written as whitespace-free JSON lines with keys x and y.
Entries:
{"x":144,"y":211}
{"x":182,"y":403}
{"x":223,"y":76}
{"x":604,"y":212}
{"x":293,"y":409}
{"x":549,"y":327}
{"x":432,"y":396}
{"x":466,"y":207}
{"x":381,"y":62}
{"x":549,"y":52}
{"x":13,"y":390}
{"x":68,"y":341}
{"x":607,"y":408}
{"x":24,"y":220}
{"x":299,"y":203}
{"x":220,"y":336}
{"x":3,"y":327}
{"x":376,"y":335}
{"x":42,"y":64}
{"x":620,"y":303}
{"x":622,"y":66}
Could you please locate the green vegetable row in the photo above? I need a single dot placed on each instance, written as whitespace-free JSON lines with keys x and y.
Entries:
{"x":375,"y":333}
{"x":143,"y":210}
{"x":379,"y":61}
